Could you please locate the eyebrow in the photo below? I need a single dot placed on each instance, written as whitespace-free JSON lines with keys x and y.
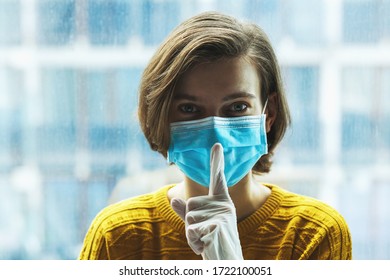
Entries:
{"x":226,"y":98}
{"x":185,"y":96}
{"x":240,"y":94}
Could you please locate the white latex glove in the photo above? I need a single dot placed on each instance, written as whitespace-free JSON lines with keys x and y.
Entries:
{"x":211,"y":221}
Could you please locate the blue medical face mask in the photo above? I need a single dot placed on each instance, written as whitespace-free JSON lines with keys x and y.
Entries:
{"x":243,"y":139}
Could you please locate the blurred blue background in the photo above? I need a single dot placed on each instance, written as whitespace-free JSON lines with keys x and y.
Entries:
{"x":69,"y":139}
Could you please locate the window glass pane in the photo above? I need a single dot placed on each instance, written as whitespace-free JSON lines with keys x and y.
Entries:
{"x":59,"y":116}
{"x":109,"y":21}
{"x":10,"y":28}
{"x":158,"y":19}
{"x":267,"y":14}
{"x":11,"y":117}
{"x":365,"y":21}
{"x":303,"y":28}
{"x":383,"y":116}
{"x":357,"y":124}
{"x":56,"y":21}
{"x":365,"y":112}
{"x":58,"y":193}
{"x":302,"y":92}
{"x":111,"y":107}
{"x":282,"y":19}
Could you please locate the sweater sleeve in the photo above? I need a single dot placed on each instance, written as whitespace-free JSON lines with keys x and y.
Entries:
{"x":95,"y":243}
{"x":335,"y":244}
{"x":312,"y":230}
{"x":94,"y":249}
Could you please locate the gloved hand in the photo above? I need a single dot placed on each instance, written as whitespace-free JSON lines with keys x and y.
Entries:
{"x":211,"y":221}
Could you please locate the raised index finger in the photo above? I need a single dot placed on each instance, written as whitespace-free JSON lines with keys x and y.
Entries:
{"x":218,"y":184}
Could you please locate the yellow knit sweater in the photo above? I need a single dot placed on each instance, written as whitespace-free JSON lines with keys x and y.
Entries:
{"x":287,"y":226}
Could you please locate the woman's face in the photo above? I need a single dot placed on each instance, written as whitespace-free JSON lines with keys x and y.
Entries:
{"x":224,"y":88}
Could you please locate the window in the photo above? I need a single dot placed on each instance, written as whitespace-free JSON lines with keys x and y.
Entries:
{"x":69,"y":76}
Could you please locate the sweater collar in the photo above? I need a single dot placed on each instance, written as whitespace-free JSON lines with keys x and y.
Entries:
{"x":246,"y":226}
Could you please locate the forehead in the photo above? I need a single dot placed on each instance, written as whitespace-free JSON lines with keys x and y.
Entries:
{"x":223,"y":76}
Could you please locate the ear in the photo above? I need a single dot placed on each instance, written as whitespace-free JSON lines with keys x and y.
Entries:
{"x":271,"y":110}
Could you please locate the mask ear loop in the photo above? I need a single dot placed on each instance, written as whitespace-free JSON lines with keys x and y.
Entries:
{"x":265,"y":106}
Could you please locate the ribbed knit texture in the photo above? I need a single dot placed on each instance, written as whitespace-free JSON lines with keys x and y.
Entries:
{"x":287,"y":226}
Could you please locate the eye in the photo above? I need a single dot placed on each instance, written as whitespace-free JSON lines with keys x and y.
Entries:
{"x":188,"y":108}
{"x":238,"y":107}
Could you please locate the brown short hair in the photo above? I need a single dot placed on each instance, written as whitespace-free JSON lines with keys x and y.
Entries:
{"x":207,"y":37}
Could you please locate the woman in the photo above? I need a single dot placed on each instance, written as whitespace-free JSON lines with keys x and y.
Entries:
{"x":212,"y":102}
